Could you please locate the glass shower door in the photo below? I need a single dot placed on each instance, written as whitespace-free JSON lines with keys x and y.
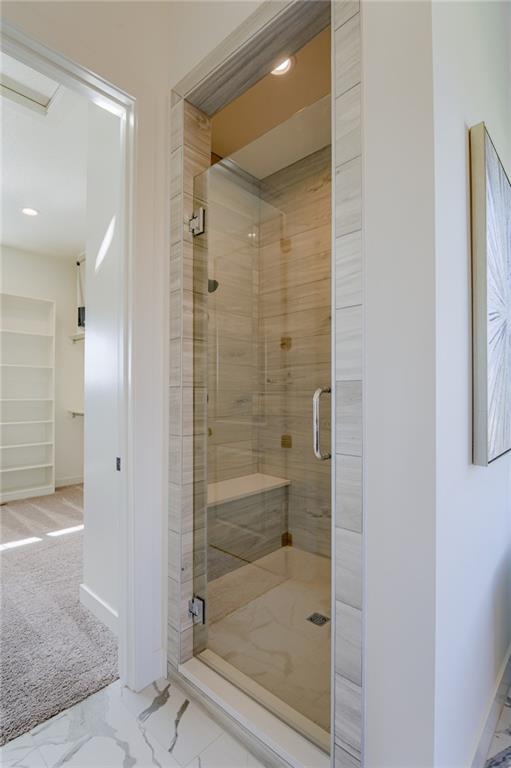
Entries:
{"x":262,"y":499}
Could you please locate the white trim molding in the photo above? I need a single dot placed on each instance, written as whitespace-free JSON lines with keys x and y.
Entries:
{"x":101,"y":610}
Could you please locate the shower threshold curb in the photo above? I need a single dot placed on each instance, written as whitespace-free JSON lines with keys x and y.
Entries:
{"x":287,"y":744}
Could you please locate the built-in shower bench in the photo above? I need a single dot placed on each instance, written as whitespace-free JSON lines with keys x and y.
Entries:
{"x":247,"y":516}
{"x":241,"y":487}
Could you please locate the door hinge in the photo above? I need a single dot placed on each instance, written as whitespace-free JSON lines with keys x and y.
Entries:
{"x":197,"y":224}
{"x":197,"y":609}
{"x":118,"y":463}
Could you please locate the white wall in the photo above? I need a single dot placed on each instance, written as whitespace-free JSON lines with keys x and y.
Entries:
{"x":438,"y":528}
{"x":472,"y":66}
{"x":144,"y":48}
{"x":399,"y":392}
{"x":50,"y":277}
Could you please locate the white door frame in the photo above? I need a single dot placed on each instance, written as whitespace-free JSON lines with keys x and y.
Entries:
{"x":15,"y":43}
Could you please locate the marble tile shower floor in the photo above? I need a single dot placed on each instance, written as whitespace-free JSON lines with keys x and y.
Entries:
{"x":258,"y":624}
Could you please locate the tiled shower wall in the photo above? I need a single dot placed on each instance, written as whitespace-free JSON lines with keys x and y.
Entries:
{"x":251,"y":527}
{"x":347,"y":274}
{"x":269,"y":332}
{"x":295,"y":333}
{"x":232,"y":260}
{"x":190,"y":146}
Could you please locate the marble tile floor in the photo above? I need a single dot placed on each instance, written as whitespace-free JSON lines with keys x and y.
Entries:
{"x":266,"y":635}
{"x":115,"y":727}
{"x":499,"y":755}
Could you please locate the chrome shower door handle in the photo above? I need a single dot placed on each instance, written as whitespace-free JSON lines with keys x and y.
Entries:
{"x":316,"y":432}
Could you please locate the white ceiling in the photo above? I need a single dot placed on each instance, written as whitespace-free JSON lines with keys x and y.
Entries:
{"x":305,"y":132}
{"x":44,"y":160}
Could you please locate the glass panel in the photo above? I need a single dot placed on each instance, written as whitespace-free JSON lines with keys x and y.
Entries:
{"x":262,"y":500}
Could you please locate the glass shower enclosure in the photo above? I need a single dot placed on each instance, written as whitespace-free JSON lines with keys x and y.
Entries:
{"x":262,"y":511}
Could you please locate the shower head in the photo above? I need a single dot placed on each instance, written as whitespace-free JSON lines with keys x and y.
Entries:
{"x":212,"y":285}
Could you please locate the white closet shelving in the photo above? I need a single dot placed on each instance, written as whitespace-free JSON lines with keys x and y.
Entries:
{"x":27,"y":394}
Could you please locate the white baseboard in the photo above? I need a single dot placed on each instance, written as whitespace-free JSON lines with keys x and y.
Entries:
{"x":101,"y":610}
{"x":493,"y":712}
{"x":63,"y":481}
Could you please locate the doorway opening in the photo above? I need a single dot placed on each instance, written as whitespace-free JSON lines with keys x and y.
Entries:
{"x":262,"y":374}
{"x":63,"y":392}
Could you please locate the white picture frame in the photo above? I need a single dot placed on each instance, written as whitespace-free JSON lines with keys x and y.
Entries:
{"x":491,"y":284}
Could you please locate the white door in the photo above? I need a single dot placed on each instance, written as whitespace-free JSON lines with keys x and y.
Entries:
{"x":103,"y":292}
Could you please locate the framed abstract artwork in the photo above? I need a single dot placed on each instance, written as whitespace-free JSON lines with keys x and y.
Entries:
{"x":491,"y":290}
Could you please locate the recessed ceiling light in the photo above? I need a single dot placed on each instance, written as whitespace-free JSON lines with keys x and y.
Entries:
{"x":30,"y":212}
{"x":284,"y":67}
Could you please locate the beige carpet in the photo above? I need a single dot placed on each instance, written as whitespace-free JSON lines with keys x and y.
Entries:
{"x":53,"y":652}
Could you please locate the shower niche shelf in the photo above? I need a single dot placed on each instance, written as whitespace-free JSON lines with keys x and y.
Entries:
{"x":27,"y":376}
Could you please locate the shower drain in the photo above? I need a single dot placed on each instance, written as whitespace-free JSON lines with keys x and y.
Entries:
{"x":318,"y":619}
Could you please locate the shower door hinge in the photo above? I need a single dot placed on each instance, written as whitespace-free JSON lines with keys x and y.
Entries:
{"x":196,"y":224}
{"x":197,"y":610}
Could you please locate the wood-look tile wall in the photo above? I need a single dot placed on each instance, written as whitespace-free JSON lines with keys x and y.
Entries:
{"x":295,"y":339}
{"x":269,"y":249}
{"x":232,"y":218}
{"x":347,"y":268}
{"x":191,"y":154}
